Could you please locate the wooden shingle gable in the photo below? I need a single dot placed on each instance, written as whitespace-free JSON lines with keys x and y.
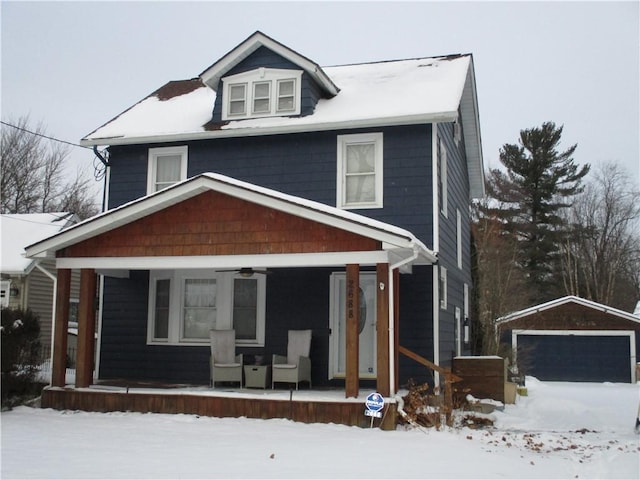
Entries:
{"x":570,"y":313}
{"x":163,"y":223}
{"x":214,"y":223}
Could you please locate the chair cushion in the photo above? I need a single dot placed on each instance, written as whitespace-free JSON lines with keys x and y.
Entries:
{"x":299,"y":345}
{"x":227,"y":365}
{"x":223,"y":346}
{"x":284,"y":365}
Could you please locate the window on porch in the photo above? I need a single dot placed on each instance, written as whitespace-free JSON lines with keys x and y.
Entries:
{"x":185,"y":305}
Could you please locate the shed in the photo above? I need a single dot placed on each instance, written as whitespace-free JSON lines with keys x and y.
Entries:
{"x":573,"y":339}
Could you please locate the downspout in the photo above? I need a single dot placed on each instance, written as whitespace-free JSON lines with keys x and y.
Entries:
{"x":436,"y":248}
{"x":53,"y":307}
{"x":101,"y":277}
{"x":106,"y":175}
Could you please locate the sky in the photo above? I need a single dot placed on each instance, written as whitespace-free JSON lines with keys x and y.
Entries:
{"x":75,"y":65}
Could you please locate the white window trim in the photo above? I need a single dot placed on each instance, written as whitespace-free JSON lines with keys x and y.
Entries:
{"x":442,"y":152}
{"x":154,"y":153}
{"x":457,"y":132}
{"x":459,"y":237}
{"x":341,"y":191}
{"x":458,"y":329}
{"x":443,"y":290}
{"x":5,"y":286}
{"x":272,"y":76}
{"x":224,"y":306}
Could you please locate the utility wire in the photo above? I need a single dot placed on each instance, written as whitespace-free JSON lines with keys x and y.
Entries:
{"x":43,"y":136}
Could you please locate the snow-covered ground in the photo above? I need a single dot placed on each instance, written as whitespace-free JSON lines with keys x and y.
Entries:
{"x":560,"y":430}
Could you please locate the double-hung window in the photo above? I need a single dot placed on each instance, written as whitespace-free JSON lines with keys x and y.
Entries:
{"x":459,"y":238}
{"x":262,"y":92}
{"x":442,"y":180}
{"x":184,"y":305}
{"x":442,"y":290}
{"x":360,"y":162}
{"x":167,"y":165}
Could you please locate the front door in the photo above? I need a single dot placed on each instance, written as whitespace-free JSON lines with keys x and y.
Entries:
{"x":367,"y":325}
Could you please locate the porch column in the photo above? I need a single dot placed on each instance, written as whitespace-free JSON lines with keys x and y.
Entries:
{"x":382,"y":329}
{"x":86,"y":328}
{"x":352,"y":347}
{"x":396,"y":327}
{"x":60,"y":327}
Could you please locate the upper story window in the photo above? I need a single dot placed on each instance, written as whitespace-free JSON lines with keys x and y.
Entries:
{"x":360,"y":162}
{"x":263,"y":92}
{"x":167,"y":165}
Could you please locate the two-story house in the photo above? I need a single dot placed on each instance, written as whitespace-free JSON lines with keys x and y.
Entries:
{"x":269,"y":194}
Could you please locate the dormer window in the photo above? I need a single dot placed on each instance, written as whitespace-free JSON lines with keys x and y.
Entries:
{"x":264,"y":92}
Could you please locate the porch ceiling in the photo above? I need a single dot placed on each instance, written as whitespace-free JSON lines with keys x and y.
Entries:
{"x":212,"y":221}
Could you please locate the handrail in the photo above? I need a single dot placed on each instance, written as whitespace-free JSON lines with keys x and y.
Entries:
{"x":423,"y":361}
{"x":449,"y":378}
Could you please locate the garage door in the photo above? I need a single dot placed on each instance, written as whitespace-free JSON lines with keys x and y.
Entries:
{"x":575,"y":357}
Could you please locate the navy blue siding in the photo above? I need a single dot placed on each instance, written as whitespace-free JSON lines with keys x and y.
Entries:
{"x":457,"y":200}
{"x":416,"y":323}
{"x":263,"y":57}
{"x":302,"y":164}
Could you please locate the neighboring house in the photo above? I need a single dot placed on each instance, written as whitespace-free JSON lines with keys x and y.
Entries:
{"x":27,"y":282}
{"x":270,"y":194}
{"x":574,"y":339}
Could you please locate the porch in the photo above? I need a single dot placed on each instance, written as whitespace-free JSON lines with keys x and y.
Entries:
{"x":307,"y":406}
{"x":206,"y":226}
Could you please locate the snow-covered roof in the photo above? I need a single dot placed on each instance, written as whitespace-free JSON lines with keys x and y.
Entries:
{"x":564,"y":300}
{"x":404,"y":91}
{"x":20,"y":230}
{"x":397,"y":92}
{"x":392,"y":237}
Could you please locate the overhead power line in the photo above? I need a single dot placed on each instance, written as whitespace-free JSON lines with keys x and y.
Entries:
{"x":43,"y":136}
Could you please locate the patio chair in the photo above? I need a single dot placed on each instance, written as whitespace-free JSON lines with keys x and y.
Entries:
{"x":296,"y":366}
{"x":225,"y":365}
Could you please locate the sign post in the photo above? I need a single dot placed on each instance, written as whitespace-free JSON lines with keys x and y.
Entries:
{"x":374,"y":404}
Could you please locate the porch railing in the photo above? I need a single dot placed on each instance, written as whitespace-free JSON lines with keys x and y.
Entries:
{"x":449,"y":379}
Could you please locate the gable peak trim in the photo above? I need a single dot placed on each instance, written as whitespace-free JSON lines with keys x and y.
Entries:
{"x":214,"y":73}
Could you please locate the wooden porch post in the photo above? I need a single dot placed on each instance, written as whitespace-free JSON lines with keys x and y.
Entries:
{"x":352,"y":347}
{"x":86,"y":328}
{"x":382,"y":326}
{"x":396,"y":327}
{"x":59,"y":354}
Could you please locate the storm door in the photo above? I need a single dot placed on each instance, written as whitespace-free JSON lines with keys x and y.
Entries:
{"x":367,"y":326}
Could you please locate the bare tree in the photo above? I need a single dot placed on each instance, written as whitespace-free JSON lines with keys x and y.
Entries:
{"x":501,"y":285}
{"x":601,"y":259}
{"x":33,"y":177}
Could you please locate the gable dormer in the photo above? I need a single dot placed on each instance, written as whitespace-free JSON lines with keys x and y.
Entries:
{"x":263,"y":78}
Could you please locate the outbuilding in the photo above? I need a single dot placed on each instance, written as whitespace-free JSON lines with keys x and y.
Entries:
{"x":573,"y":339}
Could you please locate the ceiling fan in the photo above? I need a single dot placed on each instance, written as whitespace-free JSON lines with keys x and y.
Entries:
{"x":248,"y":272}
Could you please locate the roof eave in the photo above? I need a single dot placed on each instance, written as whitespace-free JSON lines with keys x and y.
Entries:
{"x":561,"y":301}
{"x":277,"y":130}
{"x":158,"y":201}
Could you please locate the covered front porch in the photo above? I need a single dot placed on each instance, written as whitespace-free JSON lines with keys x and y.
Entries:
{"x":206,"y":226}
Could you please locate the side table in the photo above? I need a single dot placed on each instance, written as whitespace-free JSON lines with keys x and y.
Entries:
{"x":257,"y":376}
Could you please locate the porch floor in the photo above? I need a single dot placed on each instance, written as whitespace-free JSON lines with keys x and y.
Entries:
{"x":303,"y":405}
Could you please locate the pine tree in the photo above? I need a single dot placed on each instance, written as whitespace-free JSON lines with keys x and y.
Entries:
{"x":539,"y":182}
